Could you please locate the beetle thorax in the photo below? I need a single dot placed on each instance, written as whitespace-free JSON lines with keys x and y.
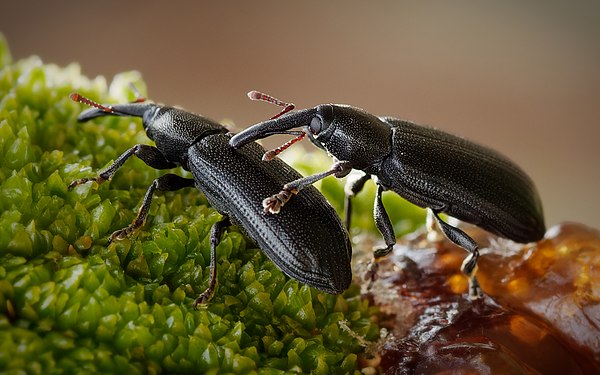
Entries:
{"x":358,"y":137}
{"x":174,"y":131}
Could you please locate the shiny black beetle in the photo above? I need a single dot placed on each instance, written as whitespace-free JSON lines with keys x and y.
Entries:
{"x":426,"y":166}
{"x":308,"y":241}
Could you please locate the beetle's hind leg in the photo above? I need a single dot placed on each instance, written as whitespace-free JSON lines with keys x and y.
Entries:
{"x":469,"y":265}
{"x":167,"y":182}
{"x":383,"y":223}
{"x":385,"y":227}
{"x":215,"y":237}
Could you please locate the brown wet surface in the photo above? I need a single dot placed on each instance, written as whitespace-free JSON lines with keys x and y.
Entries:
{"x":541,"y":313}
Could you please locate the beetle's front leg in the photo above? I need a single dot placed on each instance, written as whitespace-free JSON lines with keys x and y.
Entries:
{"x":215,"y":237}
{"x":384,"y":225}
{"x":167,"y":182}
{"x":148,"y":154}
{"x":469,"y":265}
{"x":273,"y":204}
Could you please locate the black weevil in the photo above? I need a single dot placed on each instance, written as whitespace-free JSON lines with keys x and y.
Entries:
{"x":308,"y":242}
{"x":426,"y":166}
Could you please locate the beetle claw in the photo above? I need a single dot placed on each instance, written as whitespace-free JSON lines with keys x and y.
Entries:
{"x":82,"y":181}
{"x":378,"y":253}
{"x":122,"y":233}
{"x":469,"y":265}
{"x":203,"y":298}
{"x":475,"y":291}
{"x":272,"y":205}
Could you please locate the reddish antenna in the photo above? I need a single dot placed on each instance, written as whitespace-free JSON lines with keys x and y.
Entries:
{"x":76,"y":97}
{"x":138,"y":97}
{"x":271,"y":154}
{"x":257,"y":95}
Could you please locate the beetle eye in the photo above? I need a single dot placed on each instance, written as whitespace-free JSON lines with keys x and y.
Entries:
{"x":315,"y":125}
{"x":323,"y":119}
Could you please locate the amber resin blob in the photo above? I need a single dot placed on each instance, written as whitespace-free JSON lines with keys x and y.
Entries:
{"x":541,"y":313}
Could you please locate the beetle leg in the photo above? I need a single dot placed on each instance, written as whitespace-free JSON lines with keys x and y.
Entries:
{"x":148,"y":154}
{"x":167,"y":182}
{"x":354,"y":184}
{"x":432,"y":232}
{"x":383,"y":223}
{"x":469,"y":265}
{"x":273,"y":204}
{"x":215,"y":237}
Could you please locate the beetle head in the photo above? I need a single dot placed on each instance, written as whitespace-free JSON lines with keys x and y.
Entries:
{"x":144,"y":109}
{"x":346,"y":132}
{"x":173,"y":130}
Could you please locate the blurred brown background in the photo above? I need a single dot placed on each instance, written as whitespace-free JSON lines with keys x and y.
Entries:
{"x":521,"y":78}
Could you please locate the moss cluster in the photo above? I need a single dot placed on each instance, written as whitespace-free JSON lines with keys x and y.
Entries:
{"x":69,"y":302}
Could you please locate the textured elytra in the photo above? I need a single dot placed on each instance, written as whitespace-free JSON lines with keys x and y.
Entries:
{"x":468,"y":181}
{"x":175,"y":130}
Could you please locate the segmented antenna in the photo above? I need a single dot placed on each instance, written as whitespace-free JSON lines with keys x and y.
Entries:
{"x":76,"y":97}
{"x":257,"y":95}
{"x":138,"y":97}
{"x":270,"y":155}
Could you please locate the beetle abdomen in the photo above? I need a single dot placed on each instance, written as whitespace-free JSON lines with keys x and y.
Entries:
{"x":306,"y":240}
{"x":467,"y":181}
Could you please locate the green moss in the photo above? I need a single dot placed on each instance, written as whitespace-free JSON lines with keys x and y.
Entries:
{"x":69,"y":302}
